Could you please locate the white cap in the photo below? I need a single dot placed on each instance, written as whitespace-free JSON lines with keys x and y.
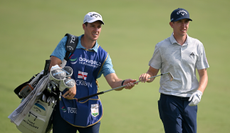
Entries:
{"x":92,"y":17}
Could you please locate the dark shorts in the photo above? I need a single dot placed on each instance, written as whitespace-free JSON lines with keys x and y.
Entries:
{"x":177,"y":116}
{"x":61,"y":126}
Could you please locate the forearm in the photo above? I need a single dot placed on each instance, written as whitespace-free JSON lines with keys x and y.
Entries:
{"x":114,"y":82}
{"x":152,"y":72}
{"x":203,"y":80}
{"x":54,"y":61}
{"x":145,"y":76}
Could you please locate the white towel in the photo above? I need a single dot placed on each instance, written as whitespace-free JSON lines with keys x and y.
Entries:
{"x":22,"y":110}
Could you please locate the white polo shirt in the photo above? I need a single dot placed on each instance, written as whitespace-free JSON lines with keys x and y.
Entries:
{"x":181,"y":61}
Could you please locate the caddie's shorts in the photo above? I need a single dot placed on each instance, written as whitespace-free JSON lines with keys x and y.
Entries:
{"x":176,"y":115}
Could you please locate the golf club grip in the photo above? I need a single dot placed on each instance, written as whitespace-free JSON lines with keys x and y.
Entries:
{"x":80,"y":99}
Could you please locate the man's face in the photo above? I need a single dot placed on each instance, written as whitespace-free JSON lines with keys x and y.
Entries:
{"x":92,"y":30}
{"x":180,"y":27}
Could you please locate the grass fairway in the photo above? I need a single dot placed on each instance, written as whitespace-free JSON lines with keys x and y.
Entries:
{"x":31,"y":29}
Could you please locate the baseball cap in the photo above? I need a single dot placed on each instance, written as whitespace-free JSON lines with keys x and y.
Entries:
{"x":179,"y":14}
{"x":92,"y":17}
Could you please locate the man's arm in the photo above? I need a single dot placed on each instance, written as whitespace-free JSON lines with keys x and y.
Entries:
{"x":114,"y":81}
{"x":203,"y":79}
{"x":145,"y":76}
{"x":195,"y":98}
{"x":54,"y":61}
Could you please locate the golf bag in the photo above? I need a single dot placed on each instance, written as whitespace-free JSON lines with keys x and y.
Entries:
{"x":39,"y":118}
{"x":42,"y":89}
{"x":33,"y":115}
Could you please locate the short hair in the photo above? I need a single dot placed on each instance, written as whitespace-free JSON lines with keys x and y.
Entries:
{"x":86,"y":23}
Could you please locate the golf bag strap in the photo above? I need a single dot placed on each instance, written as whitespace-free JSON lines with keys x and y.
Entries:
{"x":71,"y":45}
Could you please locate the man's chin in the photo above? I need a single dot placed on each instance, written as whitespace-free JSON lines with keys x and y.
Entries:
{"x":95,"y":38}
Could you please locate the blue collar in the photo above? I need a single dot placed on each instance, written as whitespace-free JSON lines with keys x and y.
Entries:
{"x":79,"y":46}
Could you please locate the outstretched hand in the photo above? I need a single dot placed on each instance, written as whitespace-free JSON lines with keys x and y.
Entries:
{"x":129,"y":83}
{"x":145,"y":78}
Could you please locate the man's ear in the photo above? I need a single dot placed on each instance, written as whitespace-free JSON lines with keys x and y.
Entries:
{"x":84,"y":26}
{"x":171,"y":24}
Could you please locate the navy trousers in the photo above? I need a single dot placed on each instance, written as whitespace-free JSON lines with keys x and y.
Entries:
{"x":176,"y":115}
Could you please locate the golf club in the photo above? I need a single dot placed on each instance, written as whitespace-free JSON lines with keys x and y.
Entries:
{"x":102,"y":92}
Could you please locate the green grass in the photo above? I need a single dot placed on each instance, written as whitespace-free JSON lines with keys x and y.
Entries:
{"x":31,"y":29}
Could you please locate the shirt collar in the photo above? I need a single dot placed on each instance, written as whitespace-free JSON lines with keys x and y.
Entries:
{"x":79,"y":46}
{"x":173,"y":40}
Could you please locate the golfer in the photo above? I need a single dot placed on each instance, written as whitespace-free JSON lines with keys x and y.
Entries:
{"x":89,"y":61}
{"x":181,"y":55}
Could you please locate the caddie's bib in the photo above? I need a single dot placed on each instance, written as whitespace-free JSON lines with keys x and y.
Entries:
{"x":86,"y":67}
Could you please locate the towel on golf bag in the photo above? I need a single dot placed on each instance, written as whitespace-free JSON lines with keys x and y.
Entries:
{"x":23,"y":109}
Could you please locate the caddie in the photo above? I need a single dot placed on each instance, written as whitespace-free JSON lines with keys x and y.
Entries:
{"x":89,"y":61}
{"x":182,"y":56}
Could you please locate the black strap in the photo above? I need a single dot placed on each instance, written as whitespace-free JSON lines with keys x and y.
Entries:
{"x":71,"y":45}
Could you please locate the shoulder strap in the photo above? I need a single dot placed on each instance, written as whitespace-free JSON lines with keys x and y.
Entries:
{"x":71,"y":45}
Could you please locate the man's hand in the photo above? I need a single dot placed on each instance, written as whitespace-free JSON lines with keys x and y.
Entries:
{"x":145,"y":78}
{"x":129,"y":83}
{"x":195,"y":98}
{"x":70,"y":93}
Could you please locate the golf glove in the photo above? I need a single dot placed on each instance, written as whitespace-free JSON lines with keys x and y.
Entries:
{"x":195,"y":98}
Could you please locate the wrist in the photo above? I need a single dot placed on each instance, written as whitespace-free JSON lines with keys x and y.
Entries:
{"x":122,"y":82}
{"x":200,"y":92}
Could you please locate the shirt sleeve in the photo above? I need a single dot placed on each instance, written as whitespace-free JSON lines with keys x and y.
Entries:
{"x":107,"y":68}
{"x":156,"y":60}
{"x":60,"y":50}
{"x":202,"y":62}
